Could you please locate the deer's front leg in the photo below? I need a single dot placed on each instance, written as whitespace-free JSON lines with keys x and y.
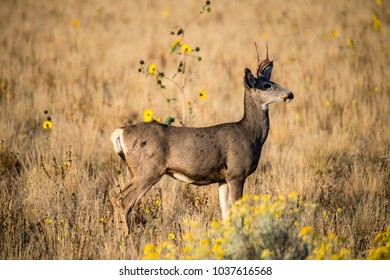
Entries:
{"x":224,"y":199}
{"x":236,"y":190}
{"x":229,"y":193}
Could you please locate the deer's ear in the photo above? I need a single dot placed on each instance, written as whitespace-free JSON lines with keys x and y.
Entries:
{"x":249,"y":79}
{"x":267,"y":71}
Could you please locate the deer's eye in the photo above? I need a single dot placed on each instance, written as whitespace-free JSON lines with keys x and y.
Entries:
{"x":267,"y":86}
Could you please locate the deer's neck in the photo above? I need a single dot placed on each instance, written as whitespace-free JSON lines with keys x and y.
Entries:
{"x":255,"y":120}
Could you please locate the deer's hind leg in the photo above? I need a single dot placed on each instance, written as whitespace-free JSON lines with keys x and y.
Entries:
{"x":140,"y":185}
{"x":116,"y":200}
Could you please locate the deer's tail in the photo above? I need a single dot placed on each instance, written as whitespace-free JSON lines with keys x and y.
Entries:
{"x":117,"y":140}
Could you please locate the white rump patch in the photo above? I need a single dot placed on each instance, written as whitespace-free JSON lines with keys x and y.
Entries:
{"x":117,"y":140}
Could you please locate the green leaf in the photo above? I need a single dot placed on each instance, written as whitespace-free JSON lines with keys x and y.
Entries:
{"x":169,"y":120}
{"x":170,"y":99}
{"x":173,"y":49}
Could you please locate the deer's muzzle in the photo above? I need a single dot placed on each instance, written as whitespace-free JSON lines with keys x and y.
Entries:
{"x":288,"y":97}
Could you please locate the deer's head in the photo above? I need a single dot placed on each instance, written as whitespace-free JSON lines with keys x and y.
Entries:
{"x":261,"y":86}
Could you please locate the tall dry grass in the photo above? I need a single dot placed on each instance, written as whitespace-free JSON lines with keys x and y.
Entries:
{"x":79,"y":61}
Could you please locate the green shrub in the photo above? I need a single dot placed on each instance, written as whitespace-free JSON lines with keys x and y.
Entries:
{"x":258,"y":227}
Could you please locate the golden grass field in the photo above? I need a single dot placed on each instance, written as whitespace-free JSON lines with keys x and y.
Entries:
{"x":79,"y":60}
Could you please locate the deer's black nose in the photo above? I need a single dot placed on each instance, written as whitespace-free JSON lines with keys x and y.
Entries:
{"x":288,"y":97}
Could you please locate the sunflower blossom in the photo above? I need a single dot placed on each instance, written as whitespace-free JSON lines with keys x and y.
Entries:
{"x":152,"y":69}
{"x":47,"y":124}
{"x":202,"y":94}
{"x":148,"y":115}
{"x":186,"y":49}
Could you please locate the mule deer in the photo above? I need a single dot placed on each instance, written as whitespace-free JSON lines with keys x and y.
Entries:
{"x":225,"y":154}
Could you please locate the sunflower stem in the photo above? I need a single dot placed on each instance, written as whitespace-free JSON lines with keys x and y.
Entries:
{"x":183,"y":98}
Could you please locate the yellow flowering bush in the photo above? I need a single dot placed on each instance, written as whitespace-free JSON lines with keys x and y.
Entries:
{"x":381,"y":249}
{"x":258,"y":227}
{"x":166,"y":251}
{"x":328,"y":247}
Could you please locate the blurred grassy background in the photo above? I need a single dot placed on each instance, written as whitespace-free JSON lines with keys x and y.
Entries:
{"x":79,"y":61}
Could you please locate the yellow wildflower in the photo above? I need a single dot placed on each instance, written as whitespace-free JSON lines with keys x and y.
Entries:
{"x":148,"y":115}
{"x":377,"y":24}
{"x":305,"y":231}
{"x":171,"y":236}
{"x":188,"y":236}
{"x":47,"y":124}
{"x":177,"y":42}
{"x":335,"y":34}
{"x":186,"y":250}
{"x":186,"y":49}
{"x":150,"y":252}
{"x":152,"y":69}
{"x":76,"y":22}
{"x":265,"y":254}
{"x":215,"y":224}
{"x":158,"y":202}
{"x":264,"y":35}
{"x":265,"y":197}
{"x":349,"y":43}
{"x":293,"y":196}
{"x":327,"y":103}
{"x":202,"y":94}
